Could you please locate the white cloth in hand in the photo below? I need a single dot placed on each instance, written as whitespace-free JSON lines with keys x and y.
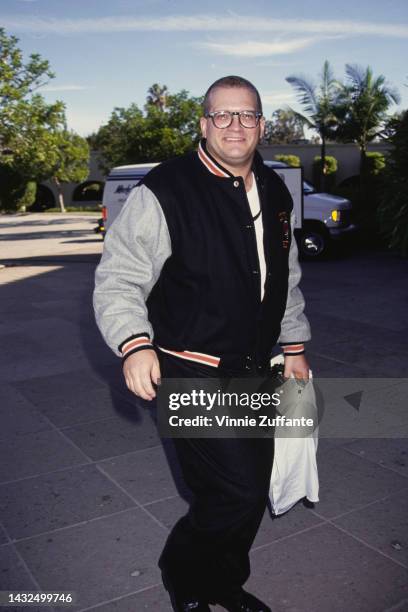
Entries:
{"x":294,"y":472}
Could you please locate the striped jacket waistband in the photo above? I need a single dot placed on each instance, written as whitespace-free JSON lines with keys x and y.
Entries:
{"x":209,"y":360}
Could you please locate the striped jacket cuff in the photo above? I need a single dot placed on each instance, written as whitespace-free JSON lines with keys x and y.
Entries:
{"x":292,"y":348}
{"x":135,"y":343}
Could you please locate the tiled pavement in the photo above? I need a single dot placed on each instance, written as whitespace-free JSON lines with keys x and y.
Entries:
{"x":88,"y":493}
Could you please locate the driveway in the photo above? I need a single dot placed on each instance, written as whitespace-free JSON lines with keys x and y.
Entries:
{"x":88,"y":492}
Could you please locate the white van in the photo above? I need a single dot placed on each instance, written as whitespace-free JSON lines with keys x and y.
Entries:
{"x":321,"y":217}
{"x":325,"y":217}
{"x":122,"y":179}
{"x":119,"y":183}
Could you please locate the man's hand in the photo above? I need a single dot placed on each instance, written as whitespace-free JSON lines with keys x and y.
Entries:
{"x":140,"y":370}
{"x":296,"y":365}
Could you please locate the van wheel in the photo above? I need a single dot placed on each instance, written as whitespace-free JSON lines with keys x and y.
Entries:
{"x":314,"y":242}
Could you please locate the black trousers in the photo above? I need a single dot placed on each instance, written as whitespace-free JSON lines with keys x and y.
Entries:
{"x":207,"y":552}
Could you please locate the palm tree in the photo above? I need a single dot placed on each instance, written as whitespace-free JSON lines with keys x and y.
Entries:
{"x":318,"y":104}
{"x":156,"y":96}
{"x":362,"y":108}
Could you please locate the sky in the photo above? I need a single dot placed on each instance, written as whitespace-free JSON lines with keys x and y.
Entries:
{"x":107,"y":54}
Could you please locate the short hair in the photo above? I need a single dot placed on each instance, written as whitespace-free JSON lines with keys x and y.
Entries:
{"x":231,"y":81}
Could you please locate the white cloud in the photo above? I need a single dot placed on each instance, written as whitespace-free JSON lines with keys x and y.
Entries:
{"x":253,"y":48}
{"x":202,"y":23}
{"x":64,"y":88}
{"x":278,"y":98}
{"x":275,"y":63}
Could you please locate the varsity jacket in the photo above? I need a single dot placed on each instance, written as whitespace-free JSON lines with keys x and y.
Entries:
{"x":180,"y":269}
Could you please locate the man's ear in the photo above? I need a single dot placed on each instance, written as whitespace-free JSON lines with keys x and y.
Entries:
{"x":203,"y":127}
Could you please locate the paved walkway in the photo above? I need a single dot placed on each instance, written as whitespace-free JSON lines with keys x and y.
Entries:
{"x":87,"y":496}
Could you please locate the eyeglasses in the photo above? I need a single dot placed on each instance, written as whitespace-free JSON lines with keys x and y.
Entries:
{"x":223,"y":119}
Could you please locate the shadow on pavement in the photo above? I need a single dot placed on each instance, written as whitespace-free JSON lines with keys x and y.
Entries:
{"x":39,"y":222}
{"x":87,"y":496}
{"x":44,"y":235}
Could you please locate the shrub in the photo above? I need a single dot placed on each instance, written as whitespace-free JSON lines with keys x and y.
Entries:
{"x":81,"y":209}
{"x":330,"y":164}
{"x":291,"y":160}
{"x":375,"y":163}
{"x":28,"y":196}
{"x":12,"y":187}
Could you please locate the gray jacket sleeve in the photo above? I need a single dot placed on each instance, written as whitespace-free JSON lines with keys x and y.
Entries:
{"x":136,"y":246}
{"x":295,"y":328}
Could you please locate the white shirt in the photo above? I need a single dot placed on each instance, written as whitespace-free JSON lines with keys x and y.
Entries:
{"x":254,"y":204}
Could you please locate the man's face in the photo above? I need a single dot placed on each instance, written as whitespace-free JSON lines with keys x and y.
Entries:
{"x":233,"y":146}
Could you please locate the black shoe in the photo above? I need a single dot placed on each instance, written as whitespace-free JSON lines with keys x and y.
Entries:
{"x":241,"y":601}
{"x":181,"y":602}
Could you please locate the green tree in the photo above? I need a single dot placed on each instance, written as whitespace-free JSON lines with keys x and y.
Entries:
{"x":361,"y":109}
{"x":18,"y":80}
{"x":284,"y":127}
{"x":132,"y":136}
{"x":393,"y":208}
{"x":121,"y":140}
{"x":29,"y":150}
{"x":318,"y":103}
{"x":70,"y":161}
{"x":30,"y":135}
{"x":34,"y":142}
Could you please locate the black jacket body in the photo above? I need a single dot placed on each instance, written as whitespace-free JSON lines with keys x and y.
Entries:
{"x":208,"y":296}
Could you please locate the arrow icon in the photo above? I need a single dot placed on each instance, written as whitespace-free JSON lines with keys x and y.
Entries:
{"x":354,"y":399}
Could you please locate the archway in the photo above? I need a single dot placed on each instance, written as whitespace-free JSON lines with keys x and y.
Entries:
{"x":44,"y":199}
{"x":89,"y":191}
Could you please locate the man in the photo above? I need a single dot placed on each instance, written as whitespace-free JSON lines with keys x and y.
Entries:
{"x":199,"y":278}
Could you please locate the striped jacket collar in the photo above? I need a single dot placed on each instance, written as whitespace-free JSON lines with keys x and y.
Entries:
{"x":210,"y":163}
{"x":215,"y":167}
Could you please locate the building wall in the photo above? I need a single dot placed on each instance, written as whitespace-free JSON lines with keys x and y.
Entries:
{"x":347,"y":155}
